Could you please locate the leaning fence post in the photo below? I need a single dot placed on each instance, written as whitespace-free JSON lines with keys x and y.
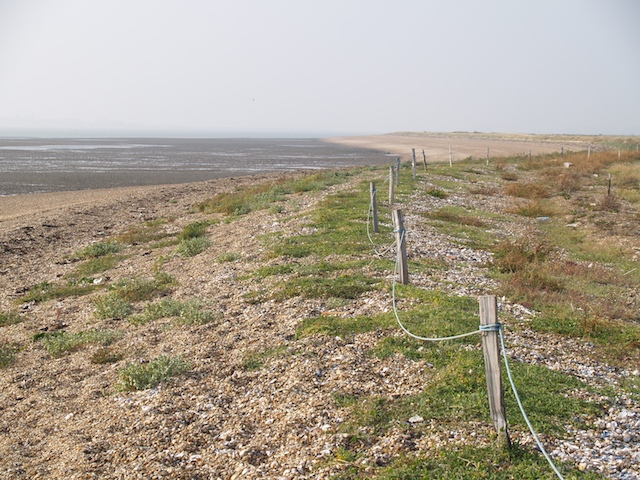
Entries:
{"x":374,"y":206}
{"x":401,"y":242}
{"x":391,"y":185}
{"x":413,"y":163}
{"x":491,"y":349}
{"x":424,"y":159}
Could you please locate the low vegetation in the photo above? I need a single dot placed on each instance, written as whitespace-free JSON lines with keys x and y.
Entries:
{"x":141,"y":376}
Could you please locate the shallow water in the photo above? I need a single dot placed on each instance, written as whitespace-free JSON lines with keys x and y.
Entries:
{"x":29,"y":165}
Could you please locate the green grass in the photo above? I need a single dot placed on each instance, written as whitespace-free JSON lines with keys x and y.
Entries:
{"x":189,"y":312}
{"x":193,"y":246}
{"x":137,"y":376}
{"x":471,"y":463}
{"x":137,"y":289}
{"x":59,"y":343}
{"x":96,"y":265}
{"x":228,"y":257}
{"x":106,"y":355}
{"x":45,"y":291}
{"x":151,"y":231}
{"x":257,"y":360}
{"x":264,"y":195}
{"x":96,"y":250}
{"x":112,"y":307}
{"x":7,"y":354}
{"x":10,"y":318}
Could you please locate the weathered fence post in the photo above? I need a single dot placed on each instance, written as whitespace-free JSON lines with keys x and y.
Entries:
{"x":398,"y":171}
{"x":401,"y":242}
{"x":424,"y":159}
{"x":374,"y":206}
{"x":450,"y":157}
{"x":413,"y":163}
{"x":391,"y":185}
{"x":562,"y":151}
{"x":618,"y":152}
{"x":487,"y":155}
{"x":589,"y":151}
{"x":609,"y":188}
{"x":491,"y":349}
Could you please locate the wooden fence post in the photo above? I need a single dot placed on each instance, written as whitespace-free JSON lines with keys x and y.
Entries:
{"x":450,"y":157}
{"x":589,"y":151}
{"x":491,"y":349}
{"x":397,"y":171}
{"x":413,"y":163}
{"x":424,"y":159}
{"x":487,"y":155}
{"x":401,"y":242}
{"x":391,"y":185}
{"x":374,"y":206}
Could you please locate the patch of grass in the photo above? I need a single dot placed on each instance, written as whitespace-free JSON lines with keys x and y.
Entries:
{"x":7,"y":354}
{"x":99,"y":249}
{"x":256,"y":360}
{"x":344,"y":326}
{"x":454,"y":215}
{"x":150,"y":231}
{"x":194,"y":230}
{"x":106,"y":355}
{"x":471,"y":462}
{"x":534,"y":209}
{"x":46,"y":291}
{"x":264,"y":195}
{"x":527,"y":190}
{"x":187,"y":313}
{"x":436,"y":192}
{"x":509,"y":176}
{"x":59,"y":343}
{"x":514,"y":255}
{"x":193,"y":246}
{"x":139,"y":289}
{"x":96,"y":265}
{"x":10,"y":318}
{"x":228,"y":257}
{"x":341,"y":286}
{"x":149,"y":375}
{"x":112,"y":307}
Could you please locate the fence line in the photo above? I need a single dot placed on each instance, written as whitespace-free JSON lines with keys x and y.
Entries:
{"x":400,"y":238}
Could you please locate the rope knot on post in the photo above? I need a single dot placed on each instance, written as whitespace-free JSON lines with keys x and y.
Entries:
{"x":494,"y":327}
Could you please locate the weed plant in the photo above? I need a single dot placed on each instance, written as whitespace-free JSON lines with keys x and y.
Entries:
{"x":193,"y":246}
{"x":106,"y":355}
{"x":139,"y":289}
{"x":112,"y":307}
{"x":45,"y":291}
{"x":59,"y":343}
{"x":7,"y":354}
{"x":99,"y":249}
{"x":136,"y":376}
{"x":186,"y":313}
{"x":10,"y":318}
{"x":150,"y":231}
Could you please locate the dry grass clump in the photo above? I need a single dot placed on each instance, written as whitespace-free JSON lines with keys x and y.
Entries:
{"x":512,"y":256}
{"x":569,"y":181}
{"x":609,"y":203}
{"x":527,"y":190}
{"x":533,"y":209}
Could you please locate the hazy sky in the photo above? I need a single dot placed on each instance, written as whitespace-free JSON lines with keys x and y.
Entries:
{"x":322,"y":66}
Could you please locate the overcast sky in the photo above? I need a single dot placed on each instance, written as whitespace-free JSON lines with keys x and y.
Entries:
{"x":322,"y":66}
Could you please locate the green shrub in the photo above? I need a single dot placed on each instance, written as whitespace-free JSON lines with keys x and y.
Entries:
{"x":193,"y":246}
{"x":96,"y":250}
{"x":436,"y":192}
{"x":148,"y":375}
{"x":58,"y":343}
{"x":112,"y":307}
{"x":194,"y":230}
